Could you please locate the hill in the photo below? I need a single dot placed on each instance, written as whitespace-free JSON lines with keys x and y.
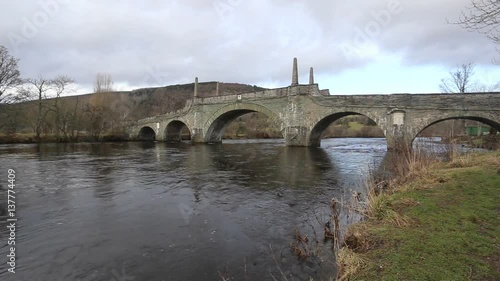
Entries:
{"x":102,"y":116}
{"x":71,"y":117}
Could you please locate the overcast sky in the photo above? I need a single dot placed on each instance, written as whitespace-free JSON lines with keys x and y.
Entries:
{"x":369,"y":46}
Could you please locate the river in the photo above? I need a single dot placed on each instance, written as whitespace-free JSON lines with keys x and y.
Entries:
{"x":156,"y":211}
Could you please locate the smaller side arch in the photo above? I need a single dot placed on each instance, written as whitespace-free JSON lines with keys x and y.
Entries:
{"x":177,"y":131}
{"x":147,"y":133}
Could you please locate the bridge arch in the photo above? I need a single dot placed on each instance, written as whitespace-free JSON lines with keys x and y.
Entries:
{"x":147,"y":133}
{"x":176,"y":130}
{"x":483,"y":118}
{"x":219,"y":121}
{"x":323,"y":123}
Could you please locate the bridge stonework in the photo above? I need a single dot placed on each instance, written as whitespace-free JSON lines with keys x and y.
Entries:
{"x":303,"y":112}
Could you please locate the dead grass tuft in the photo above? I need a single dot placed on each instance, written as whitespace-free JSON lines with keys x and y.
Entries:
{"x":384,"y":211}
{"x":462,"y":161}
{"x":359,"y":240}
{"x":349,"y":263}
{"x":401,"y":204}
{"x":381,"y":206}
{"x":300,"y":245}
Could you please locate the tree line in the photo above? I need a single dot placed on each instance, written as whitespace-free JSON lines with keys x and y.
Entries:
{"x":40,"y":107}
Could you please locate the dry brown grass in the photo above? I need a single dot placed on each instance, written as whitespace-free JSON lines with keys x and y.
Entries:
{"x":300,"y":245}
{"x":357,"y":240}
{"x":462,"y":161}
{"x":406,"y":166}
{"x":348,"y":263}
{"x":412,"y":170}
{"x":383,"y":210}
{"x":410,"y":164}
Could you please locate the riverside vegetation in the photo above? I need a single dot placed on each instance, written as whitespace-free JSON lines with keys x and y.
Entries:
{"x":103,"y":116}
{"x":100,"y":116}
{"x":434,"y":220}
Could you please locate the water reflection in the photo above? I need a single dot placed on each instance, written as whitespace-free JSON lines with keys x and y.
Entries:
{"x":175,"y":211}
{"x":279,"y":167}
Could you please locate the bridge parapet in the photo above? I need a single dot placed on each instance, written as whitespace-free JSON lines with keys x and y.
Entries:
{"x":266,"y":94}
{"x":479,"y":101}
{"x":172,"y":114}
{"x":309,"y":90}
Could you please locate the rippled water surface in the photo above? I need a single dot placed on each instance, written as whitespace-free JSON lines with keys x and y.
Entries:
{"x":155,"y":211}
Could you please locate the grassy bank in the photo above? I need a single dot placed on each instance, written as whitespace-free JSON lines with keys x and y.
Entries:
{"x":353,"y":130}
{"x":439,"y":222}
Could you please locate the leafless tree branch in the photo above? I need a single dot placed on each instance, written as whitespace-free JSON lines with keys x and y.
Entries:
{"x":482,"y":16}
{"x":9,"y":73}
{"x":460,"y":80}
{"x":41,"y":89}
{"x":103,"y":83}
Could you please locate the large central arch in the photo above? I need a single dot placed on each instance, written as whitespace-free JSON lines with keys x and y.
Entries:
{"x":325,"y":122}
{"x":219,"y":121}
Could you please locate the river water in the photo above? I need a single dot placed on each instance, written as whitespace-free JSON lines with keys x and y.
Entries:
{"x":156,"y":211}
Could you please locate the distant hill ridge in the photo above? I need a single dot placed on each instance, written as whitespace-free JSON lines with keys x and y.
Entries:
{"x":206,"y":89}
{"x":160,"y":100}
{"x":146,"y":102}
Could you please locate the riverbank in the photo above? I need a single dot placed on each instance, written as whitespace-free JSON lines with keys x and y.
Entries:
{"x":491,"y":141}
{"x":439,"y":222}
{"x":30,"y":138}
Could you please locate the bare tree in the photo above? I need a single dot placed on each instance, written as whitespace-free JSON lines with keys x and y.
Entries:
{"x":63,"y":117}
{"x":37,"y":88}
{"x":9,"y":73}
{"x":93,"y":116}
{"x":460,"y":80}
{"x":482,"y":88}
{"x":41,"y":89}
{"x":483,"y":16}
{"x":103,"y":83}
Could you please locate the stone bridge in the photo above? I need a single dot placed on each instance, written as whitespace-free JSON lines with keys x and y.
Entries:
{"x":303,"y":112}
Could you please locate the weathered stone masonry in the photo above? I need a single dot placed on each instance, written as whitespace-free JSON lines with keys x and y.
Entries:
{"x":304,"y":112}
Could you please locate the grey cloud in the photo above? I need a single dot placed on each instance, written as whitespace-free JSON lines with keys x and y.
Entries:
{"x":164,"y":42}
{"x":423,"y":34}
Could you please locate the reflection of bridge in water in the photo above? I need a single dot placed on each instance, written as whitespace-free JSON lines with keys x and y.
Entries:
{"x":303,"y":112}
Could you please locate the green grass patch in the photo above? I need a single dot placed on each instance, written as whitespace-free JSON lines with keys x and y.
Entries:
{"x":452,"y":230}
{"x":478,"y":141}
{"x":356,"y":126}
